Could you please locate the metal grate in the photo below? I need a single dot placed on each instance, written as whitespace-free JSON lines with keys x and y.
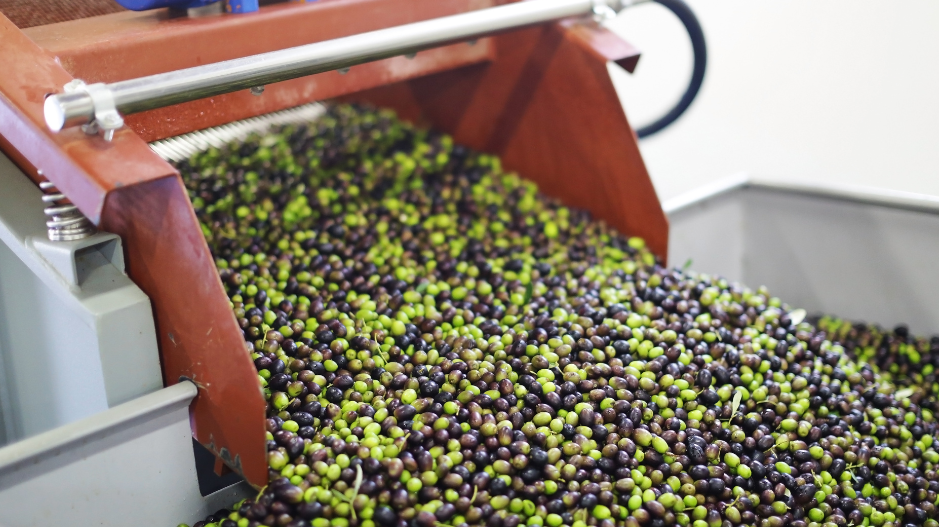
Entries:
{"x":183,"y":146}
{"x":30,"y":13}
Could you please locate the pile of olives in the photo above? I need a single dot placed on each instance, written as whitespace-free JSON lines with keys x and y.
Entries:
{"x":441,"y":345}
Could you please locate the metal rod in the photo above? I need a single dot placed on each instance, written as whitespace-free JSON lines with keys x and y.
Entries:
{"x":165,"y":89}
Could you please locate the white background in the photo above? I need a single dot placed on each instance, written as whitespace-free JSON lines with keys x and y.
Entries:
{"x":810,"y":90}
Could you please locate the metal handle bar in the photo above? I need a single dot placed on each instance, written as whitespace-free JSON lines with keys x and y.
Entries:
{"x":102,"y":104}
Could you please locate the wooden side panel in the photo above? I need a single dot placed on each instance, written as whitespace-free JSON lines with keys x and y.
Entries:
{"x":199,"y":337}
{"x":603,"y":44}
{"x":549,"y":108}
{"x":127,"y":189}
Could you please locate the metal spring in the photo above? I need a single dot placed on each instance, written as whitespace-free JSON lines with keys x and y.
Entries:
{"x":65,"y":222}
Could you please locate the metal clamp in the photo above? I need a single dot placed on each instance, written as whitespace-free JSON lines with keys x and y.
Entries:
{"x":106,"y":116}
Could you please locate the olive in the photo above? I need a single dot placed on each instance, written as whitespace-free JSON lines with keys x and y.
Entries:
{"x":438,"y":342}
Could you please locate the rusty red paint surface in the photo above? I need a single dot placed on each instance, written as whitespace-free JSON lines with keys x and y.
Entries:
{"x":548,"y":107}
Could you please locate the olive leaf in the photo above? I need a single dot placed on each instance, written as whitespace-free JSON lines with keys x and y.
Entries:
{"x":380,"y":352}
{"x":260,"y":493}
{"x":734,"y":406}
{"x":528,"y":291}
{"x":687,"y":264}
{"x":264,"y":330}
{"x":341,"y":496}
{"x":355,"y":491}
{"x":421,"y":287}
{"x":797,"y":316}
{"x":358,"y":481}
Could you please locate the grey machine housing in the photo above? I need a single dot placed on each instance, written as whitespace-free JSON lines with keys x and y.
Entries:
{"x":91,"y":435}
{"x":862,"y":254}
{"x":76,"y":335}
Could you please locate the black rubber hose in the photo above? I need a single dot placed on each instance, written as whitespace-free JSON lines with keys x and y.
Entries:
{"x":693,"y":27}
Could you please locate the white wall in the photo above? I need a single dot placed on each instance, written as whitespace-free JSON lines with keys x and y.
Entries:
{"x":833,"y":90}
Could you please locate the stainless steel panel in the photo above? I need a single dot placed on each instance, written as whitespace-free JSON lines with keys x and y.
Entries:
{"x":132,"y":464}
{"x":857,"y":253}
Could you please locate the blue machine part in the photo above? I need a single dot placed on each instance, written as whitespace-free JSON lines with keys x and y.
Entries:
{"x":232,"y":6}
{"x":144,"y":5}
{"x":241,"y":6}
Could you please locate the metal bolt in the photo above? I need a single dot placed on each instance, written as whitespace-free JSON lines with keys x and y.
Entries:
{"x":65,"y":221}
{"x":257,"y":90}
